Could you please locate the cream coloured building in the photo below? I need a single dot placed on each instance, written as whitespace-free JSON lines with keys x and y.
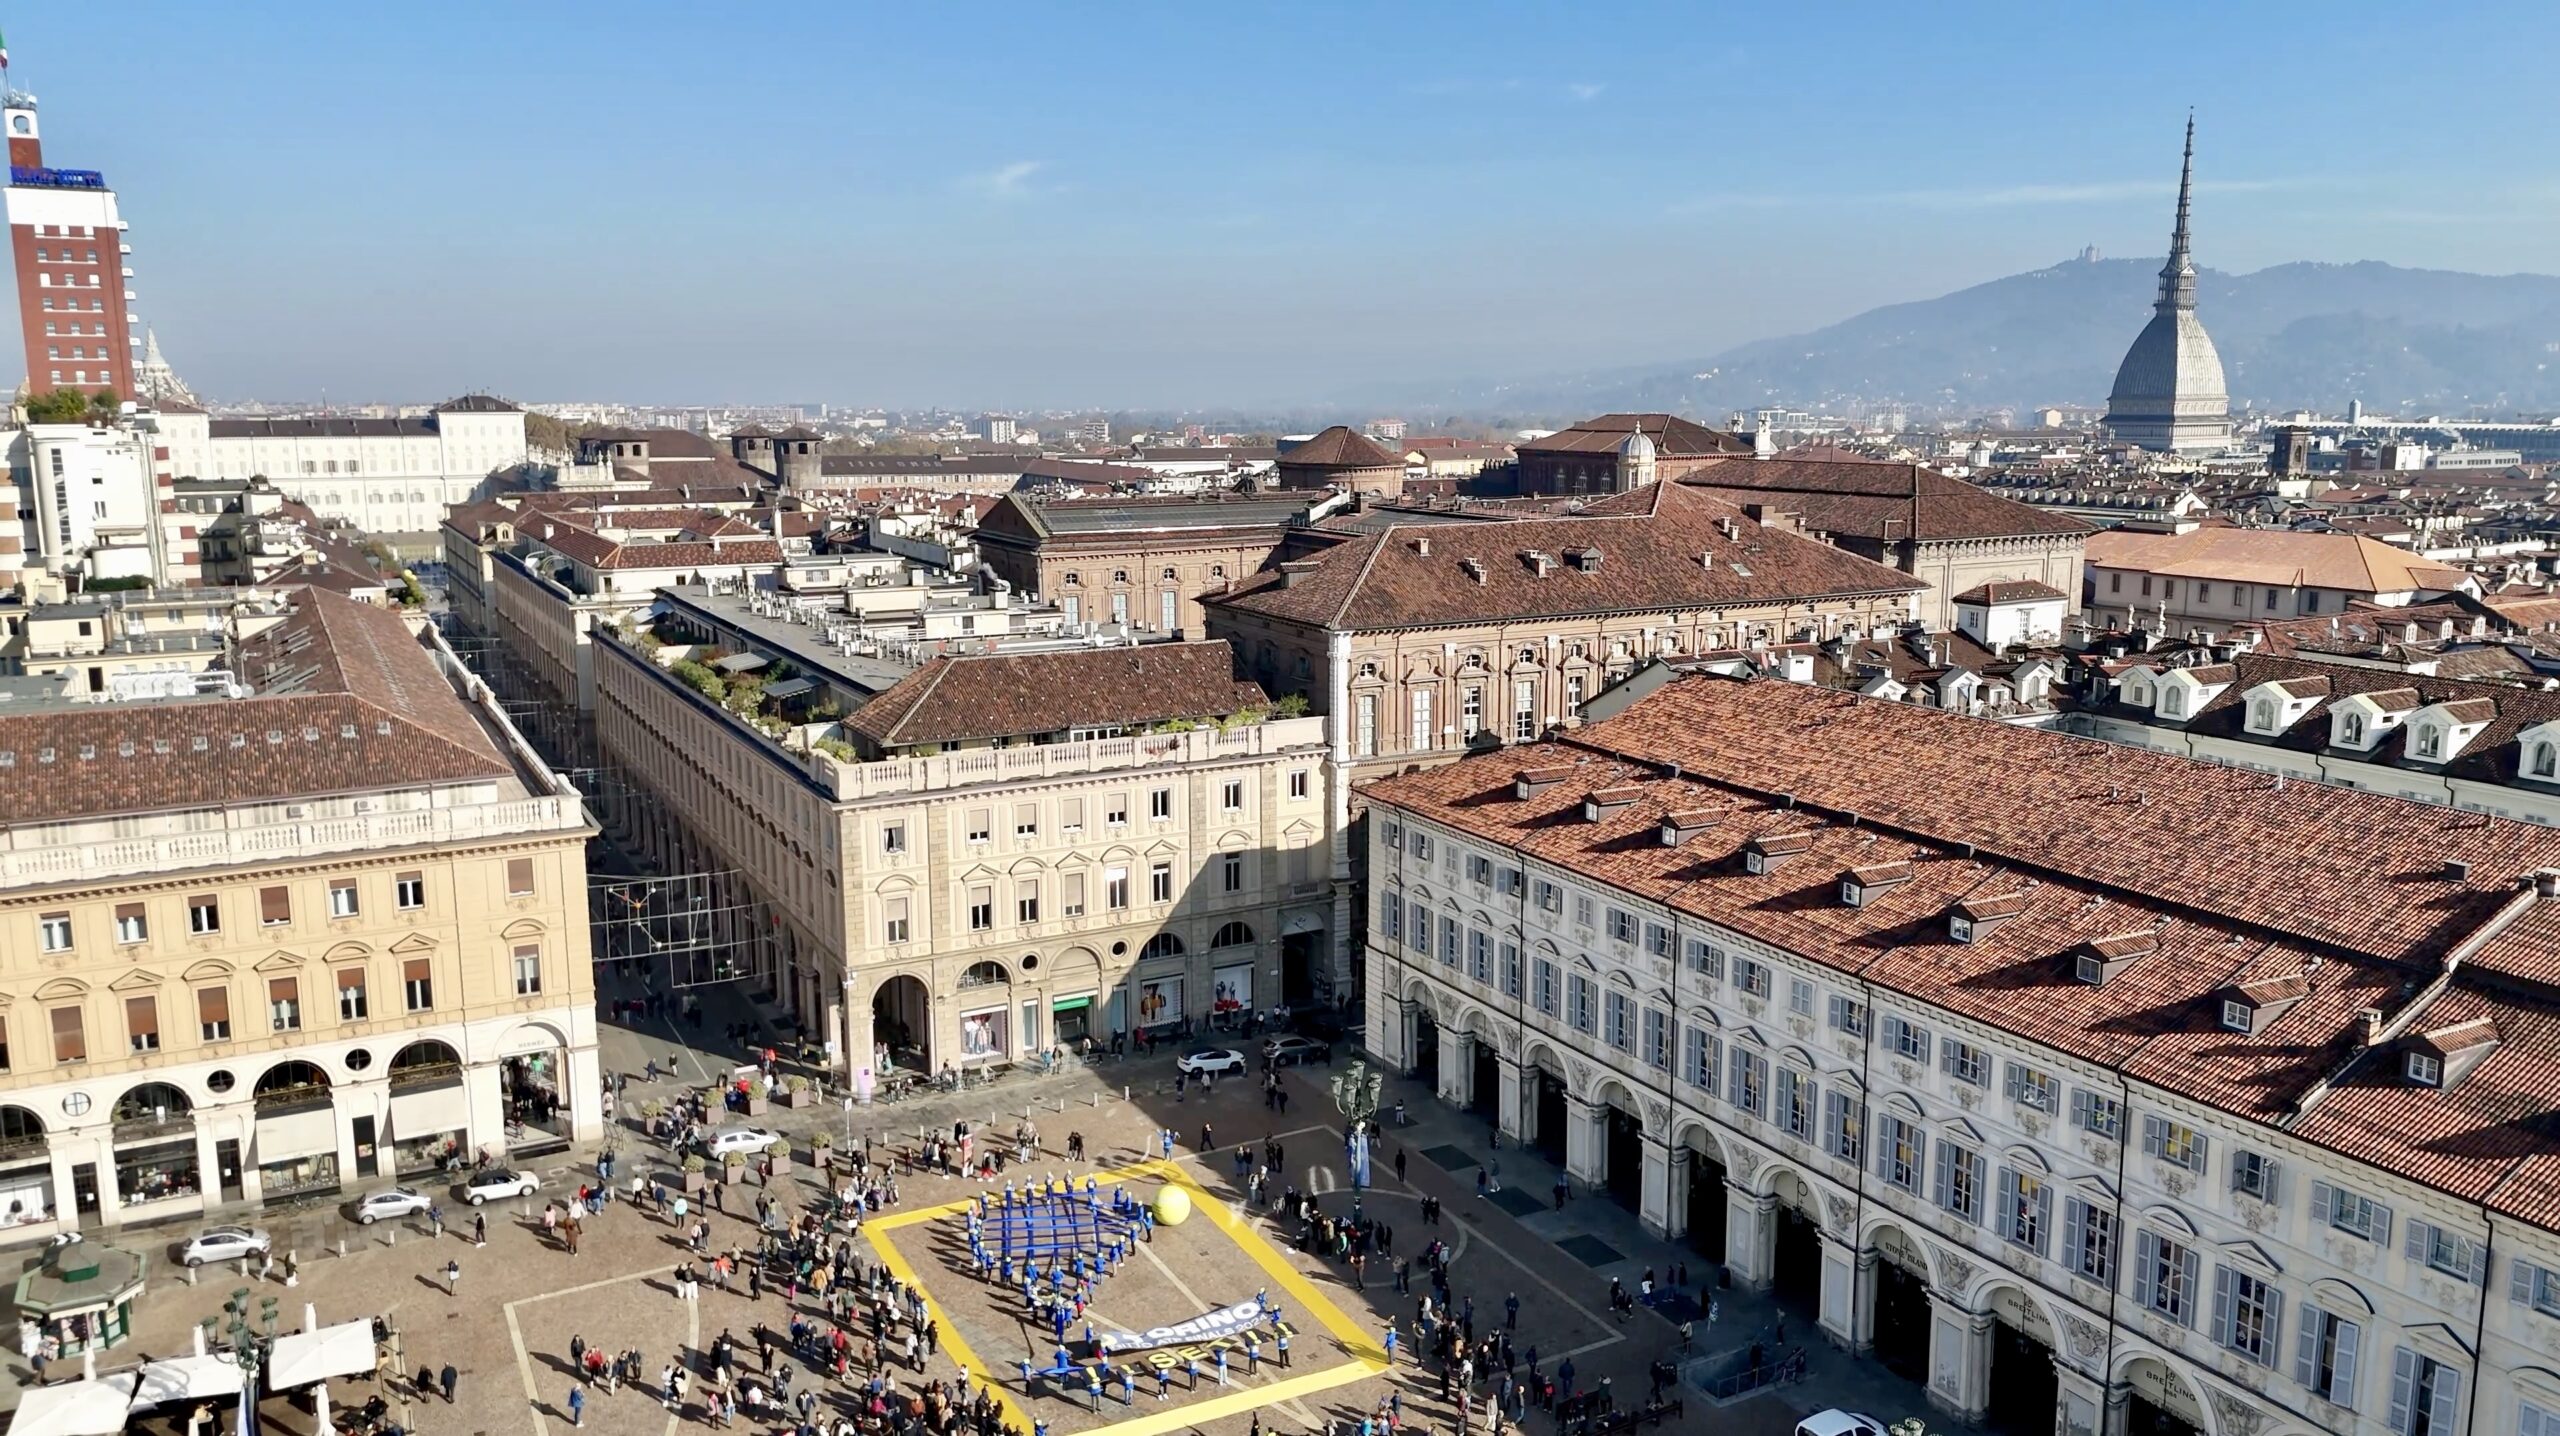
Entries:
{"x":987,"y":855}
{"x":385,"y":476}
{"x":277,"y":944}
{"x":2100,"y":1091}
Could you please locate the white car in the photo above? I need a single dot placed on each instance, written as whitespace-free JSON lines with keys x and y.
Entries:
{"x":224,"y":1244}
{"x":497,"y":1183}
{"x":1836,"y":1422}
{"x":1223,"y":1061}
{"x":398,"y":1202}
{"x":750,"y":1140}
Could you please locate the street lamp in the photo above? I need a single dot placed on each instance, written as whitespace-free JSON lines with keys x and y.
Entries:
{"x":250,"y":1331}
{"x":1355,"y":1096}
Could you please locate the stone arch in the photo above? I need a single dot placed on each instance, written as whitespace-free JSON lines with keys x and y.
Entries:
{"x":1696,"y":1135}
{"x":1540,"y":1054}
{"x":426,"y":1054}
{"x":1613,"y":1091}
{"x":532,"y":1037}
{"x":2154,"y":1376}
{"x":985,"y":973}
{"x":2000,"y":1292}
{"x":153,"y":1102}
{"x":1894,"y":1240}
{"x":61,"y":989}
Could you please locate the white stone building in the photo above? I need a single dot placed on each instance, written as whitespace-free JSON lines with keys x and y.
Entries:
{"x":2101,"y":1091}
{"x":385,"y":476}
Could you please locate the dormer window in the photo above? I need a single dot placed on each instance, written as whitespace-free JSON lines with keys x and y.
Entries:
{"x":2237,"y":1015}
{"x":1859,"y":884}
{"x":1764,"y":853}
{"x":2089,"y":969}
{"x":2544,"y":762}
{"x":2262,"y":715}
{"x":2173,"y":703}
{"x":2351,"y":729}
{"x":2425,"y":1070}
{"x":2103,"y":957}
{"x":1960,"y":928}
{"x":2430,"y":741}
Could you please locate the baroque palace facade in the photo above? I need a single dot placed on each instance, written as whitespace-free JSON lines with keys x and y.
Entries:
{"x":2093,"y":1087}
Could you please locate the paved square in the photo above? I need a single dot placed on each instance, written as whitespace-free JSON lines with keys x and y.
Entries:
{"x":1590,"y":1251}
{"x":1212,"y":1260}
{"x":1451,"y":1157}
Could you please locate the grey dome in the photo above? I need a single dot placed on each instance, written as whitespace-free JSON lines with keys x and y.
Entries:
{"x":2169,"y":392}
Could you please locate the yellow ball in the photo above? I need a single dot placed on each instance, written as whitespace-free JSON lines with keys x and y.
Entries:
{"x":1172,"y":1205}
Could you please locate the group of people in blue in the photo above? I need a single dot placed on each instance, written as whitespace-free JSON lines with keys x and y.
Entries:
{"x":1055,"y":1242}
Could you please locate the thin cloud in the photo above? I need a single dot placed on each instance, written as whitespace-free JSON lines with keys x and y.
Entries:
{"x":1586,"y":92}
{"x":1005,"y":181}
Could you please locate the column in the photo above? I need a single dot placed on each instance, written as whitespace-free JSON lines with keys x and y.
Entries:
{"x":1848,"y":1294}
{"x":2081,"y":1405}
{"x":580,"y":1087}
{"x":1513,"y":1097}
{"x":1585,"y":1154}
{"x":1959,"y":1360}
{"x":1657,"y":1210}
{"x":2119,"y":1409}
{"x":1457,"y":1067}
{"x":1750,"y":1236}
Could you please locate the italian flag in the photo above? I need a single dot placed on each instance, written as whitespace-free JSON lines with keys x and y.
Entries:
{"x":4,"y":52}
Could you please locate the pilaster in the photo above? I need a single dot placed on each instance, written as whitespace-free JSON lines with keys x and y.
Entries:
{"x":1750,"y":1237}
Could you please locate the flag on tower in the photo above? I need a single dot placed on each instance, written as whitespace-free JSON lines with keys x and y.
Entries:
{"x":4,"y":52}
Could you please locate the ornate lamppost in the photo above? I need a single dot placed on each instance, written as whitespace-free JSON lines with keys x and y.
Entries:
{"x":248,"y":1330}
{"x":1355,"y":1095}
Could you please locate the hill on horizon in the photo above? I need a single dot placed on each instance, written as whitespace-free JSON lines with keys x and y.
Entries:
{"x":2300,"y":335}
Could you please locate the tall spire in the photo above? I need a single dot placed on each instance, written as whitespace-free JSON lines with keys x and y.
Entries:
{"x":2178,"y":276}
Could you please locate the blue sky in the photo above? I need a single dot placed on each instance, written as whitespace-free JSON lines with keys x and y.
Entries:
{"x":1134,"y":205}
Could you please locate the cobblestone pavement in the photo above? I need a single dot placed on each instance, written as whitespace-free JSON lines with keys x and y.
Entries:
{"x":506,"y":1326}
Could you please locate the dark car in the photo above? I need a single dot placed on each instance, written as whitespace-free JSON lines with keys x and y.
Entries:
{"x":1292,"y":1050}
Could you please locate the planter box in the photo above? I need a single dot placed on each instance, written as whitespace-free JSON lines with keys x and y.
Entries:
{"x":737,"y":1176}
{"x":781,"y":1161}
{"x":755,"y":1106}
{"x":802,"y":1097}
{"x":693,"y":1182}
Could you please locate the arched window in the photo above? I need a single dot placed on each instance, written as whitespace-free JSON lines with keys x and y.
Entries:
{"x":2262,"y":715}
{"x":20,"y":1129}
{"x":2430,"y":741}
{"x":1163,"y":944}
{"x":152,"y":1102}
{"x":1234,"y":934}
{"x":2351,"y":728}
{"x":985,"y":974}
{"x":2546,"y":760}
{"x":287,"y":1083}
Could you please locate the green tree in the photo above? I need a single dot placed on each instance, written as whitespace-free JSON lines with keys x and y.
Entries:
{"x":58,"y":406}
{"x":700,"y":679}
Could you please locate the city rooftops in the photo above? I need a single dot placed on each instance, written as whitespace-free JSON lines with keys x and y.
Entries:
{"x":981,"y":697}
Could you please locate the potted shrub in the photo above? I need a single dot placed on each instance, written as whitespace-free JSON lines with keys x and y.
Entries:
{"x":756,"y":1098}
{"x":715,"y":1100}
{"x":780,"y":1155}
{"x":822,"y":1151}
{"x":695,"y":1178}
{"x":798,"y":1092}
{"x":734,"y":1169}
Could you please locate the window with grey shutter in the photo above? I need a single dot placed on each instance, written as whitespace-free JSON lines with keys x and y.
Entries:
{"x":2089,"y":1242}
{"x":2324,"y":1356}
{"x":2534,"y":1286}
{"x":2425,"y":1394}
{"x":2247,"y":1312}
{"x":2451,"y":1253}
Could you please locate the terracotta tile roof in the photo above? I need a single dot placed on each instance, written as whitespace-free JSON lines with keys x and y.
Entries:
{"x":343,"y":700}
{"x":1879,"y":501}
{"x":1011,"y":695}
{"x":2010,"y":590}
{"x":1651,"y":543}
{"x":2198,"y":879}
{"x":1340,"y":447}
{"x":1673,"y":437}
{"x":2275,"y":557}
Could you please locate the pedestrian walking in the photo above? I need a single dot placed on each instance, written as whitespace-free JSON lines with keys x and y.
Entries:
{"x":577,"y":1406}
{"x":479,"y":1229}
{"x":452,"y":1277}
{"x":450,"y":1379}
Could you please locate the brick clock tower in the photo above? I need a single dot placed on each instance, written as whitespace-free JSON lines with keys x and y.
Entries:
{"x":67,"y":243}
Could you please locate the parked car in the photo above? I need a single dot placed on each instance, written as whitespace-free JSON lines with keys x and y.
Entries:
{"x":1224,"y":1061}
{"x":224,"y":1244}
{"x":750,"y":1140}
{"x":398,"y":1202}
{"x":1836,"y":1422}
{"x":1291,"y":1050}
{"x":498,"y":1184}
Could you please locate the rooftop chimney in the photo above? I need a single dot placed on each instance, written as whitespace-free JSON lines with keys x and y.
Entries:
{"x":2369,"y":1025}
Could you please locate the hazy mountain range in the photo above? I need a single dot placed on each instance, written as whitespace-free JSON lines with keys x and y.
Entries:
{"x":2411,"y":341}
